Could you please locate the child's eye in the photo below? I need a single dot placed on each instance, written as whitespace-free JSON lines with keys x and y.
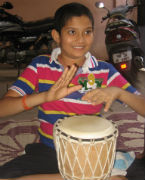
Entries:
{"x":71,"y":32}
{"x":88,"y":32}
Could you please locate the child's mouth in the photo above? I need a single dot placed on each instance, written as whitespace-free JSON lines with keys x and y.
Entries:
{"x":78,"y":47}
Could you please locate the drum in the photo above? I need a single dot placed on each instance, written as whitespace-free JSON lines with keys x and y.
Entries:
{"x":85,"y":147}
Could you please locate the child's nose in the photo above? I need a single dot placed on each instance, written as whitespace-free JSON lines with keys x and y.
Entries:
{"x":80,"y":37}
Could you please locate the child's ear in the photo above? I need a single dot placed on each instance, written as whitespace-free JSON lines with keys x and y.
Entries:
{"x":55,"y":36}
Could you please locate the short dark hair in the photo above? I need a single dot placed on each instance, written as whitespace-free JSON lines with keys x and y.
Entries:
{"x":67,"y":11}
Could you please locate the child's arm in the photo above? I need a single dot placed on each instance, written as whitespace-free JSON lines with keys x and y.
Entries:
{"x":109,"y":94}
{"x":12,"y":102}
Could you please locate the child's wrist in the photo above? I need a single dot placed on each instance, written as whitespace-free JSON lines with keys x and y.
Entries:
{"x":46,"y":97}
{"x":24,"y":104}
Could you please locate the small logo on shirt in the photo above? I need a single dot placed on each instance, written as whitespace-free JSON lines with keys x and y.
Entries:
{"x":90,"y":82}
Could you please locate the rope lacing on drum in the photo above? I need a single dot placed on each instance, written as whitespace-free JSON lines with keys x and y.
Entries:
{"x":76,"y":153}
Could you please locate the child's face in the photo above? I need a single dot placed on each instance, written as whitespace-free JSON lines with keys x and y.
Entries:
{"x":76,"y":38}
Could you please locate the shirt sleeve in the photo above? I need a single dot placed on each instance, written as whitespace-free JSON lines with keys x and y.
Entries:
{"x":116,"y":79}
{"x":27,"y":82}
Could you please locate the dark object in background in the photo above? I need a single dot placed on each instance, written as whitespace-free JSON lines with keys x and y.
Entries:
{"x":20,"y":41}
{"x":141,"y":13}
{"x":123,"y":41}
{"x":137,"y":170}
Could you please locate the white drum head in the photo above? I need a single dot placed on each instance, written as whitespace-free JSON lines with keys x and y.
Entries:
{"x":86,"y":127}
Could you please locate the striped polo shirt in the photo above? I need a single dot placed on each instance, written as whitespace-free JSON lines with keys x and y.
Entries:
{"x":45,"y":70}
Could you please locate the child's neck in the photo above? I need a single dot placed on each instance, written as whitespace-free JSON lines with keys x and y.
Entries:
{"x":69,"y":62}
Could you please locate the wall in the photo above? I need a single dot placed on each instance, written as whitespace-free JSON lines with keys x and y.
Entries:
{"x":31,"y":10}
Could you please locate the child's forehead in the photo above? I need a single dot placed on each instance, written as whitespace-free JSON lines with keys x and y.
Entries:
{"x":77,"y":19}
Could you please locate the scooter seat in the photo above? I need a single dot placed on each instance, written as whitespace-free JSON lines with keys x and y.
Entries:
{"x":40,"y":25}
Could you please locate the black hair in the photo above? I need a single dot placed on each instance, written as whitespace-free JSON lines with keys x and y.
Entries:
{"x":67,"y":11}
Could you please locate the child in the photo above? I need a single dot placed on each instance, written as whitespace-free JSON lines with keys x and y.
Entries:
{"x":69,"y":82}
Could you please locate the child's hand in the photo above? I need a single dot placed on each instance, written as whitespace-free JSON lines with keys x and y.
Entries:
{"x":60,"y":89}
{"x":102,"y":95}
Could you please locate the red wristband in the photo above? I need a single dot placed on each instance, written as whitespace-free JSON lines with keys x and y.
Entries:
{"x":24,"y":103}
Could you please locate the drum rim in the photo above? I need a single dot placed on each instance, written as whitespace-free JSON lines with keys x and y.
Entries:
{"x":61,"y":131}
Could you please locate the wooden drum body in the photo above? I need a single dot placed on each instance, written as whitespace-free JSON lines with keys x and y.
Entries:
{"x":85,"y":147}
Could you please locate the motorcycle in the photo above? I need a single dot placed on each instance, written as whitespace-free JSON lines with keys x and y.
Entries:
{"x":123,"y":41}
{"x":20,"y":41}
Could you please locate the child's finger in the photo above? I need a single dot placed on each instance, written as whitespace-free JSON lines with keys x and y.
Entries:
{"x":71,"y":71}
{"x":107,"y":105}
{"x":66,"y":77}
{"x":69,"y":75}
{"x":61,"y":79}
{"x":74,"y":88}
{"x":90,"y":94}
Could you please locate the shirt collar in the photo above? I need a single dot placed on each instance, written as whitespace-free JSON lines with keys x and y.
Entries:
{"x":90,"y":62}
